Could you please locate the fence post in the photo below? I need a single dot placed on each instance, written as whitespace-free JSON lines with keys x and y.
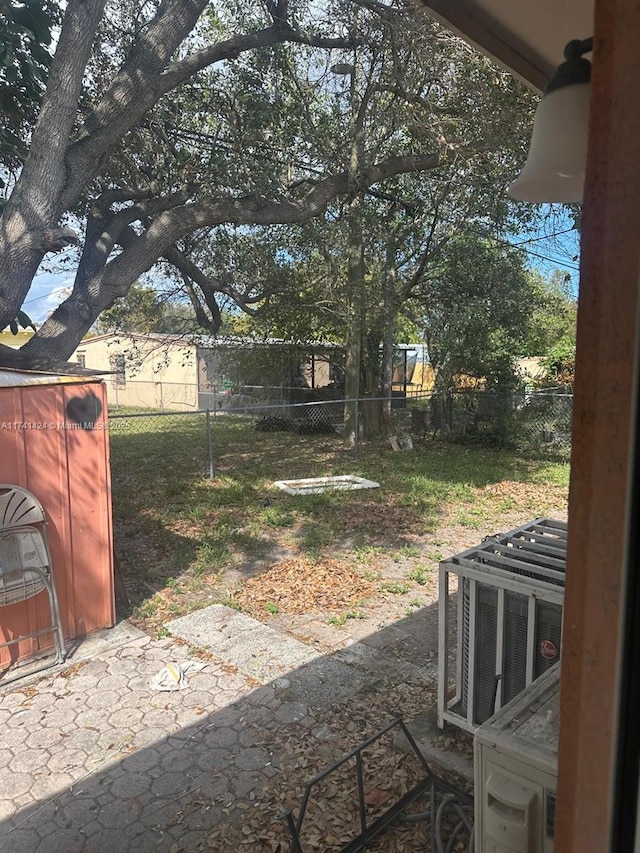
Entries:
{"x":356,"y":439}
{"x":209,"y":443}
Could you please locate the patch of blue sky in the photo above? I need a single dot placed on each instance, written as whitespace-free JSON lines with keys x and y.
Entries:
{"x":47,"y":292}
{"x":553,"y":245}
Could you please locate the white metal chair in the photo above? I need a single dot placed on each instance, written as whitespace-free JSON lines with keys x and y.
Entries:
{"x":25,"y":567}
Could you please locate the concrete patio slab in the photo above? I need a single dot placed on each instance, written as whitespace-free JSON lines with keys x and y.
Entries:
{"x":266,"y":655}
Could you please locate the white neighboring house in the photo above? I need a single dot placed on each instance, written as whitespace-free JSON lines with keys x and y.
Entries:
{"x":147,"y":371}
{"x":531,"y":368}
{"x":171,"y":372}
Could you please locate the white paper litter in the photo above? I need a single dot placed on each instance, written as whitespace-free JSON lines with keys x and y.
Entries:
{"x":172,"y":675}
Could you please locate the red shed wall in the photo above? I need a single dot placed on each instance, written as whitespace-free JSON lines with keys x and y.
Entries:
{"x":67,"y":469}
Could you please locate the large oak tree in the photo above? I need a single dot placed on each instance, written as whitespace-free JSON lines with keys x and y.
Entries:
{"x":404,"y":85}
{"x":118,"y":70}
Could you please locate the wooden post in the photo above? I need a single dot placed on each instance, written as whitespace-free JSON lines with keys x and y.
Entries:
{"x":603,"y":436}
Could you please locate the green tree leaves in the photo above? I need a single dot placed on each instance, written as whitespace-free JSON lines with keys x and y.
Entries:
{"x":476,"y":312}
{"x":21,"y":320}
{"x":26,"y":33}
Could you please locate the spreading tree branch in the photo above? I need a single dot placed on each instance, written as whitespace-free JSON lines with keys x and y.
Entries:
{"x":147,"y":76}
{"x":60,"y":333}
{"x":212,"y":325}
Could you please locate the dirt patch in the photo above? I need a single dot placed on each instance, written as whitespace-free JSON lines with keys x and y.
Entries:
{"x":383,"y":520}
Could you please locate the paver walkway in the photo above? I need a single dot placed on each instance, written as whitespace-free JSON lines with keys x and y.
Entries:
{"x":93,"y":760}
{"x":98,"y":761}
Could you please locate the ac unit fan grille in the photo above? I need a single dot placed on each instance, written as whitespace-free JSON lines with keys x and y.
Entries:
{"x":550,"y":813}
{"x":514,"y":670}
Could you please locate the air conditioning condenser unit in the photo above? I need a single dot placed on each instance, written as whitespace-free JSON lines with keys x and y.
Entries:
{"x":499,"y":620}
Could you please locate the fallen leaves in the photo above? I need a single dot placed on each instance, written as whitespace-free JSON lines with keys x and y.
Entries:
{"x":526,"y":496}
{"x":375,"y":796}
{"x":332,"y":818}
{"x":304,"y":586}
{"x":72,"y":670}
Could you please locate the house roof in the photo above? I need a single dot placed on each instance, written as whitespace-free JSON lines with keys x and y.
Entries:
{"x":201,"y":341}
{"x":158,"y":337}
{"x":14,"y":378}
{"x":209,"y":342}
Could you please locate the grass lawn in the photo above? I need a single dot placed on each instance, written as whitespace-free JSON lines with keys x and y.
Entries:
{"x":185,"y":541}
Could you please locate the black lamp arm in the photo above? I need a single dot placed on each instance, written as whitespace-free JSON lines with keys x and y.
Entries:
{"x":575,"y":69}
{"x":577,"y":48}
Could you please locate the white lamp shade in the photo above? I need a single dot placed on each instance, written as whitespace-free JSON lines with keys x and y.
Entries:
{"x":555,"y":167}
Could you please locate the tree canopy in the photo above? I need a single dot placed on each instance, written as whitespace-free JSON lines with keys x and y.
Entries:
{"x":477,"y":312}
{"x":161,"y":122}
{"x":26,"y":34}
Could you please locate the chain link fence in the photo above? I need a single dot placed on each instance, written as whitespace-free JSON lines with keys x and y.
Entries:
{"x":143,"y":445}
{"x":147,"y":438}
{"x":134,"y":395}
{"x":538,"y":424}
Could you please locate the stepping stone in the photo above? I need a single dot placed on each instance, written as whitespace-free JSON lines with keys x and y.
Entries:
{"x":255,"y":649}
{"x":299,"y":672}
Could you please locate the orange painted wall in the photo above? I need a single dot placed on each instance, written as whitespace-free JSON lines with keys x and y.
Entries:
{"x":66,"y":467}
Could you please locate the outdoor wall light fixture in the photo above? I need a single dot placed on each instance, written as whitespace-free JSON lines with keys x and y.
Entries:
{"x":555,"y":167}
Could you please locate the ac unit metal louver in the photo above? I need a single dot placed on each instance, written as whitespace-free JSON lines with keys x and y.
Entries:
{"x":499,"y":620}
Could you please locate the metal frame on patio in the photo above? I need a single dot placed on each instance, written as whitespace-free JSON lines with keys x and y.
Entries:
{"x":459,"y":802}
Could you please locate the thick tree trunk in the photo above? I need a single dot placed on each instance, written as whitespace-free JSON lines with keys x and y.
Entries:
{"x":34,"y":208}
{"x":353,"y":359}
{"x":371,"y":408}
{"x":389,"y":316}
{"x":72,"y":321}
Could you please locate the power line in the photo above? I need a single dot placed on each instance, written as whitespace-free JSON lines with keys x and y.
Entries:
{"x":510,"y":245}
{"x":557,"y":261}
{"x":544,"y":237}
{"x":520,"y":246}
{"x":46,"y":295}
{"x":566,"y":264}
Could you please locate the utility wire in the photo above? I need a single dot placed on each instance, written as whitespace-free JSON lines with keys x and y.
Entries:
{"x":46,"y":295}
{"x":509,"y":245}
{"x":544,"y":237}
{"x":560,"y":263}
